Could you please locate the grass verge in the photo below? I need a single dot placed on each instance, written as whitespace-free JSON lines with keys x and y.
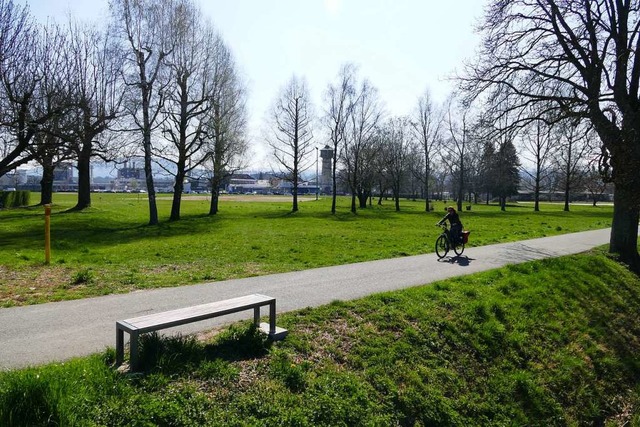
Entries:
{"x":546,"y":343}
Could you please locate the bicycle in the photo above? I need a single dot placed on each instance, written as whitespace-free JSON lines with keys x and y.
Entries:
{"x":444,"y":244}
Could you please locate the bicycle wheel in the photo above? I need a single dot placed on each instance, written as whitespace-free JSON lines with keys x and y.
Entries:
{"x":458,"y":249}
{"x":442,"y":246}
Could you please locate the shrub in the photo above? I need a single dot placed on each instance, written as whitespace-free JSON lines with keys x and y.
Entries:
{"x":14,"y":199}
{"x":83,"y":276}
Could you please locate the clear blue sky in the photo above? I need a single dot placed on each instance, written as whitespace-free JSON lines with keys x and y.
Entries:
{"x":401,"y":46}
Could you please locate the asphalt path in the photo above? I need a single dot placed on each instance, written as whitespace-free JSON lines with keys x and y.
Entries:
{"x":54,"y":332}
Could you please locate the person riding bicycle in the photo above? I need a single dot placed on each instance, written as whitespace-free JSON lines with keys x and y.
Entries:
{"x":455,"y":232}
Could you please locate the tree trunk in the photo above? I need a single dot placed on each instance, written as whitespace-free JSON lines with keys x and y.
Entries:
{"x":177,"y":195}
{"x":295,"y":191}
{"x":362,"y":198}
{"x":151,"y":190}
{"x":536,"y":190}
{"x":84,"y":176}
{"x":215,"y":196}
{"x":396,"y":194}
{"x":460,"y":187}
{"x":353,"y":201}
{"x":426,"y":187}
{"x":46,"y":183}
{"x":146,"y":141}
{"x":624,"y":230}
{"x":567,"y":184}
{"x":333,"y":180}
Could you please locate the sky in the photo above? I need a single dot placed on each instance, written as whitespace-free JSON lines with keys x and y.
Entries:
{"x":403,"y":47}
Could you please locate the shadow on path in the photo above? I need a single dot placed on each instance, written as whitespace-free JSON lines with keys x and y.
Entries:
{"x":461,"y":260}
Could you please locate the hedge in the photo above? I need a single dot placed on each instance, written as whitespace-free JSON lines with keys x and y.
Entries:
{"x":14,"y":199}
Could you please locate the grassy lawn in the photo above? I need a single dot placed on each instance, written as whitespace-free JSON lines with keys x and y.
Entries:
{"x":546,"y":343}
{"x":110,"y":249}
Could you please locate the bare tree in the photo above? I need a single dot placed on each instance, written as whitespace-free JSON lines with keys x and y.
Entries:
{"x":396,"y":139}
{"x":291,"y":123}
{"x":574,"y":58}
{"x":227,"y":120}
{"x":573,"y":153}
{"x":594,"y":184}
{"x":338,"y":98}
{"x":50,"y":151}
{"x":360,"y":150}
{"x":427,"y":126}
{"x":475,"y":161}
{"x":143,"y":26}
{"x":416,"y":171}
{"x":459,"y":125}
{"x":32,"y":93}
{"x":188,"y":97}
{"x":538,"y":148}
{"x":95,"y":65}
{"x":17,"y":48}
{"x":51,"y":101}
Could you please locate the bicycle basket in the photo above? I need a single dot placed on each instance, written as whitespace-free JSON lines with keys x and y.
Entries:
{"x":465,"y":236}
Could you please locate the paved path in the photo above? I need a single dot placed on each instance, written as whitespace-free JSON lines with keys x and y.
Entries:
{"x":57,"y":331}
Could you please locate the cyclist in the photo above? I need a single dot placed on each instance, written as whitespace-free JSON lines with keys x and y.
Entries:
{"x":455,"y":232}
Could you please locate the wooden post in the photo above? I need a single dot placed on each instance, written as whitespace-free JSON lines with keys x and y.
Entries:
{"x":47,"y":234}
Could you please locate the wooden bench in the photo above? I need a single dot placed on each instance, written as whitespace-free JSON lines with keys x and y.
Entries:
{"x":168,"y":319}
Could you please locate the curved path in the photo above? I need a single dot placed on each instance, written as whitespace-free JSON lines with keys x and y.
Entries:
{"x":44,"y":333}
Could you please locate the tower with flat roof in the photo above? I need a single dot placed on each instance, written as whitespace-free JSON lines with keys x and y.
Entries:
{"x":326,"y":154}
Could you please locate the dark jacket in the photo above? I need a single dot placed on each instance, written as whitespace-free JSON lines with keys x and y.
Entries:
{"x":456,"y":226}
{"x":453,"y":218}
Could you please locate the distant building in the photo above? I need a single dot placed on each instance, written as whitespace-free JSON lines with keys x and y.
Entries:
{"x":326,"y":181}
{"x":129,"y":178}
{"x":63,"y":173}
{"x":63,"y":179}
{"x":13,"y":180}
{"x":129,"y":172}
{"x":244,"y":183}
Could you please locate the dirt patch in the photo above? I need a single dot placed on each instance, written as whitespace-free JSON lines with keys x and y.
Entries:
{"x":37,"y":284}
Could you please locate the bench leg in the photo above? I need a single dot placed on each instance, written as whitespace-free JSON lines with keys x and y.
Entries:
{"x":272,"y":318}
{"x":133,"y":345}
{"x":119,"y":346}
{"x":256,"y":316}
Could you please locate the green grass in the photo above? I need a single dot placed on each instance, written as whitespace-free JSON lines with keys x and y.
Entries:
{"x":108,"y":248}
{"x":546,"y":343}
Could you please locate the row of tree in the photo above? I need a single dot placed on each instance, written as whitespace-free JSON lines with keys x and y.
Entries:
{"x":453,"y":147}
{"x":157,"y":81}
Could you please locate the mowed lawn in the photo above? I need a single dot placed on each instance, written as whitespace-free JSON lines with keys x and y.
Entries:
{"x":109,"y":248}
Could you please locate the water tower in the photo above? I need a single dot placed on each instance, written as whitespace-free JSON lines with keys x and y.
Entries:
{"x":325,"y":178}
